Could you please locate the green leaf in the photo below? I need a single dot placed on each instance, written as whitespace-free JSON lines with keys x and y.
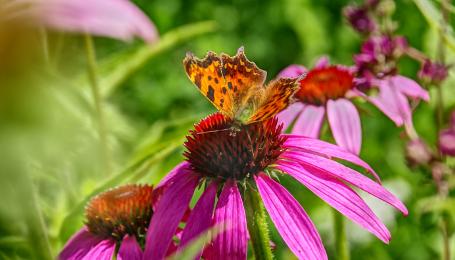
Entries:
{"x":434,"y":19}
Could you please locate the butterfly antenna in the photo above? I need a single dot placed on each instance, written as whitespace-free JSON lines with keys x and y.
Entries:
{"x":214,"y":131}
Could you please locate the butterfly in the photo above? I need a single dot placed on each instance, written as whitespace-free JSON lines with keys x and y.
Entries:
{"x":235,"y":86}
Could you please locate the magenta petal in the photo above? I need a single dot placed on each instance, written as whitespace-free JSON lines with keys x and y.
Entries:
{"x":288,"y":115}
{"x":392,"y":102}
{"x":168,"y":213}
{"x":338,"y":195}
{"x":344,"y":121}
{"x":410,"y":88}
{"x":102,"y":251}
{"x":201,"y":216}
{"x":309,"y":121}
{"x":292,"y":71}
{"x":322,"y":62}
{"x":174,"y":173}
{"x":119,"y":19}
{"x":328,"y":150}
{"x":232,"y":242}
{"x":349,"y":175}
{"x":291,"y":221}
{"x":129,"y":249}
{"x":79,"y":245}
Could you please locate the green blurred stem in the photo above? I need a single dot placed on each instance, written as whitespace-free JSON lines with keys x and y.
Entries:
{"x":446,"y":238}
{"x":341,"y":242}
{"x":93,"y":79}
{"x":257,"y":224}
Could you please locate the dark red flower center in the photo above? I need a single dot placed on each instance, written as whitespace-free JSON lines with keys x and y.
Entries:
{"x":123,"y":210}
{"x":323,"y":84}
{"x":222,"y":149}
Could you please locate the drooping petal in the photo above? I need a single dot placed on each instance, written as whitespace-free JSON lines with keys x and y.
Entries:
{"x":344,"y":121}
{"x":322,"y":62}
{"x":288,"y":115}
{"x":168,"y":213}
{"x":338,"y":195}
{"x":102,"y":251}
{"x":232,"y":242}
{"x":292,"y":71}
{"x":79,"y":245}
{"x":119,"y":19}
{"x":327,"y":150}
{"x":291,"y":221}
{"x":409,"y":87}
{"x":309,"y":121}
{"x":391,"y":102}
{"x":349,"y":175}
{"x":181,"y":168}
{"x":201,"y":216}
{"x":129,"y":249}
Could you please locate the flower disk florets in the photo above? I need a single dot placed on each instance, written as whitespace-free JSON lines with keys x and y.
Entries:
{"x":120,"y":211}
{"x":220,"y":148}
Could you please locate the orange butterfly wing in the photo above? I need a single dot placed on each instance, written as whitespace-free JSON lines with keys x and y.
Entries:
{"x":207,"y":75}
{"x":243,"y":78}
{"x":275,"y":97}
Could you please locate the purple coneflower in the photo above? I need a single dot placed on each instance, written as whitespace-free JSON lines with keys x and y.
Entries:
{"x":324,"y":90}
{"x":119,"y":216}
{"x":226,"y":164}
{"x":118,"y":19}
{"x":376,"y":69}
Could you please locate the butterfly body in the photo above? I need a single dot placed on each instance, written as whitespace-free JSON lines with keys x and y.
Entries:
{"x":235,"y":86}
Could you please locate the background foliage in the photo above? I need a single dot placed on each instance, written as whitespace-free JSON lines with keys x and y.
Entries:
{"x":50,"y":159}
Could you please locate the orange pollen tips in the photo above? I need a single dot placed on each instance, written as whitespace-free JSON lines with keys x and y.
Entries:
{"x":220,"y":148}
{"x":323,"y":84}
{"x":120,"y":211}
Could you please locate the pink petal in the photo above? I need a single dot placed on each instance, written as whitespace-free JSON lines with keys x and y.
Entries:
{"x":181,"y":168}
{"x":129,"y":249}
{"x":344,"y":121}
{"x":169,"y":211}
{"x":391,"y":102}
{"x":346,"y":174}
{"x":291,"y":221}
{"x":328,"y":150}
{"x":232,"y":242}
{"x":79,"y":245}
{"x":322,"y":62}
{"x":201,"y":216}
{"x":288,"y":115}
{"x":338,"y":195}
{"x":119,"y":19}
{"x":409,"y":87}
{"x":102,"y":251}
{"x":310,"y":121}
{"x":292,"y":71}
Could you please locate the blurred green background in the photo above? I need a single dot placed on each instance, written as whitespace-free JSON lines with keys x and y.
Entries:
{"x":50,"y":155}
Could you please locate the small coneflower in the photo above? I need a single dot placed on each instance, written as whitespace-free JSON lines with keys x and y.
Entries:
{"x":324,"y":90}
{"x":116,"y":218}
{"x":227,"y":165}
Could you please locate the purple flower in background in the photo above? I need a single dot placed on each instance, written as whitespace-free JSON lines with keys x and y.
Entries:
{"x":120,"y":215}
{"x":324,"y":90}
{"x":359,"y":19}
{"x":447,"y":138}
{"x":118,"y":19}
{"x":433,"y":72}
{"x":222,"y":159}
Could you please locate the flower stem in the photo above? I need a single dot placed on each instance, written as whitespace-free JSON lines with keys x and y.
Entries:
{"x":93,"y":79}
{"x":341,"y":242}
{"x":257,"y":224}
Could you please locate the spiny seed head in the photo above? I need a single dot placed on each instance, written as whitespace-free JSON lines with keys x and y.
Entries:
{"x":123,"y":210}
{"x":221,"y":148}
{"x":322,"y":84}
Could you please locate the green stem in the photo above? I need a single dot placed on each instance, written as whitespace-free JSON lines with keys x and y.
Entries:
{"x":93,"y":79}
{"x":446,"y":238}
{"x":341,"y":242}
{"x":257,"y":224}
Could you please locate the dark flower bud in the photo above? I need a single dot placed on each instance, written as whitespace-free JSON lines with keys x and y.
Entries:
{"x":359,"y":19}
{"x":447,"y":142}
{"x":433,"y":72}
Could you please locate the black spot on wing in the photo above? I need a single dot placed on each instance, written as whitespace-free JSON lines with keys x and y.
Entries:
{"x":211,"y":93}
